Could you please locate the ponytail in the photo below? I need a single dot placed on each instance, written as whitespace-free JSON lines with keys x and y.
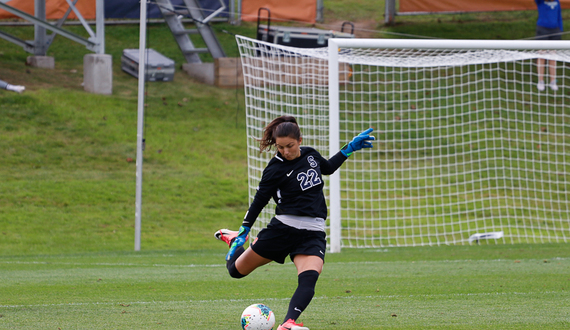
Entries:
{"x":284,"y":126}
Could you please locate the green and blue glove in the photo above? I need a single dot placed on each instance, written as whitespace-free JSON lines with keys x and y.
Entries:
{"x":360,"y":141}
{"x":238,"y":241}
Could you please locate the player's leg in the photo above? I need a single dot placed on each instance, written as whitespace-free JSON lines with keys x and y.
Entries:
{"x":541,"y":34}
{"x":243,"y":262}
{"x":13,"y":88}
{"x":248,"y":261}
{"x":540,"y":72}
{"x":552,"y":73}
{"x":309,"y":268}
{"x":305,"y":263}
{"x":555,"y":35}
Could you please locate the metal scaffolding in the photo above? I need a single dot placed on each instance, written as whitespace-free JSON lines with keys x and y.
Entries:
{"x":42,"y":40}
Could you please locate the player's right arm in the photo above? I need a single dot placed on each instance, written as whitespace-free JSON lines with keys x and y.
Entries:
{"x":267,"y":186}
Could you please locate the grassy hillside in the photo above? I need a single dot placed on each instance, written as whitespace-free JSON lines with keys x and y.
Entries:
{"x":67,"y":182}
{"x":67,"y":179}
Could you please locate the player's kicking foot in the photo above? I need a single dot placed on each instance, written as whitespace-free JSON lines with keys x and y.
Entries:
{"x":291,"y":325}
{"x":227,"y":235}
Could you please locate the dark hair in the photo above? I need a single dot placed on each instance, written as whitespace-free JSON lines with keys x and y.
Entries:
{"x":284,"y":126}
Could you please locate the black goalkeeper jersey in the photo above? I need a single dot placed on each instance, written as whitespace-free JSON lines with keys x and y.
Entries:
{"x":296,"y":186}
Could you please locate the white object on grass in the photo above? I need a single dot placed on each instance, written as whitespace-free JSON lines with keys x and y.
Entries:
{"x":15,"y":88}
{"x":480,"y":236}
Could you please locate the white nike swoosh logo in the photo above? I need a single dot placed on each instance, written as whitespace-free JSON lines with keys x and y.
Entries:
{"x":288,"y":174}
{"x":298,"y":310}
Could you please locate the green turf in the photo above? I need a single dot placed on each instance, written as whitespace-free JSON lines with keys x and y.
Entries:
{"x":447,"y":287}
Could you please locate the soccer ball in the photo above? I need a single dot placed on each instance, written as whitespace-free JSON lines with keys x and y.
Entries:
{"x":257,"y":317}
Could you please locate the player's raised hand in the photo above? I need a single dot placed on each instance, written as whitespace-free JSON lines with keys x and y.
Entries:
{"x":360,"y":141}
{"x":238,"y":241}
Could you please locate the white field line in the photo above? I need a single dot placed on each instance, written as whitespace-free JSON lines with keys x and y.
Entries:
{"x":122,"y":264}
{"x":118,"y":264}
{"x":380,"y":297}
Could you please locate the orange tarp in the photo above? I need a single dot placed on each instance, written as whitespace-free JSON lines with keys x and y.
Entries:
{"x":55,"y":9}
{"x":288,"y":10}
{"x":429,"y":6}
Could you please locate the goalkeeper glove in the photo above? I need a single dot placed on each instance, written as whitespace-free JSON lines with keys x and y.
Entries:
{"x":360,"y":141}
{"x":238,"y":241}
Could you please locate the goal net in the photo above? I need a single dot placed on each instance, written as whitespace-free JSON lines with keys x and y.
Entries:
{"x":466,"y":142}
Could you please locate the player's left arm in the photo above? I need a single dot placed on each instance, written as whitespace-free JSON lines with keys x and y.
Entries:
{"x":362,"y":140}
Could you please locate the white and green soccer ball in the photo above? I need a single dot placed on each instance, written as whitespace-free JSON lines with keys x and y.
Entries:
{"x":257,"y":317}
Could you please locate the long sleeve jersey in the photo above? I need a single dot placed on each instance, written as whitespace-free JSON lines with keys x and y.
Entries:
{"x":296,"y":186}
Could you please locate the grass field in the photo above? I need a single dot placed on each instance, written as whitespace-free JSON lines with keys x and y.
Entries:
{"x":446,"y":287}
{"x":67,"y":196}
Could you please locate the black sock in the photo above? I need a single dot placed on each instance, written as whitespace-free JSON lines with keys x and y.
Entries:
{"x":231,"y":264}
{"x":303,"y":295}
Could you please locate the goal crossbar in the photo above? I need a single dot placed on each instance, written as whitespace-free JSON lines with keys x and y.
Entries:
{"x":334,"y":43}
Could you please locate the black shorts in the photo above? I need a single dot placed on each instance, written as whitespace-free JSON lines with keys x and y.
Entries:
{"x":543,"y":33}
{"x":278,"y":241}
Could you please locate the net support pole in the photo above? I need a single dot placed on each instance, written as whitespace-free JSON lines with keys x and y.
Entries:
{"x":334,"y":143}
{"x":140,"y":125}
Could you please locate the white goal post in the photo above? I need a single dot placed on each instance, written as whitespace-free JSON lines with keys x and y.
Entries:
{"x":466,"y":142}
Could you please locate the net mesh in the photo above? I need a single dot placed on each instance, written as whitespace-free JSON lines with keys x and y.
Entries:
{"x":466,"y":142}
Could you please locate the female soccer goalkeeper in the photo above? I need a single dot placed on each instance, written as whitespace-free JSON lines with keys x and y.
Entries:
{"x":293,"y":178}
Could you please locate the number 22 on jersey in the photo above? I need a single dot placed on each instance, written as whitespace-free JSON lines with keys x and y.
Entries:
{"x":309,"y":179}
